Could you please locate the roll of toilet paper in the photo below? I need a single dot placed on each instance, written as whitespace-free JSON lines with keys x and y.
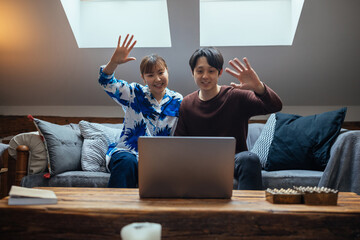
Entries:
{"x":141,"y":231}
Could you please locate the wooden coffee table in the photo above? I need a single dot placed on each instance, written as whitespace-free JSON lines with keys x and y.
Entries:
{"x":100,"y":213}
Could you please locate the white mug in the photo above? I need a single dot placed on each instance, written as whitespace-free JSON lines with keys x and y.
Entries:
{"x":141,"y":231}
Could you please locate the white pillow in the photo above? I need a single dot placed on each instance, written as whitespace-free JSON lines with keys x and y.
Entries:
{"x":38,"y":155}
{"x":97,"y":138}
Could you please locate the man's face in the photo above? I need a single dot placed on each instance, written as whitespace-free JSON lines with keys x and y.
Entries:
{"x":205,"y":76}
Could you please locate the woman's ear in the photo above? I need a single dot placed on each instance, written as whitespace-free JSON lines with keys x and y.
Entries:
{"x":221,"y":71}
{"x":142,"y":76}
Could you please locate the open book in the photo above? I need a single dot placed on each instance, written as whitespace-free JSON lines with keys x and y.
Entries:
{"x":30,"y":196}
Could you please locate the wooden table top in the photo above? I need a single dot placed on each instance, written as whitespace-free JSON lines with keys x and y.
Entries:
{"x":119,"y":199}
{"x":184,"y":218}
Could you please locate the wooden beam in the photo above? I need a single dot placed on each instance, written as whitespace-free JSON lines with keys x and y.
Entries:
{"x":12,"y":125}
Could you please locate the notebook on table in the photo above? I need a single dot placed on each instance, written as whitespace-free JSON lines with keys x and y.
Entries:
{"x":186,"y":167}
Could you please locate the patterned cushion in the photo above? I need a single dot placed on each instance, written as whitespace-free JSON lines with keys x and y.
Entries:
{"x":263,"y":143}
{"x":97,"y":138}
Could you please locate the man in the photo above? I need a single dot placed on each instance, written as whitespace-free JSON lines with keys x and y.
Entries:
{"x":216,"y":110}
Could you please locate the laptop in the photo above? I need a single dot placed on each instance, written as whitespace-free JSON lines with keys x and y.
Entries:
{"x":186,"y":167}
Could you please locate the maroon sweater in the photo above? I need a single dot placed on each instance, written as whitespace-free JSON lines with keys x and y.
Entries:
{"x":227,"y":114}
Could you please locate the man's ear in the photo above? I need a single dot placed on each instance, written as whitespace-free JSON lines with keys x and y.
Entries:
{"x":221,"y":71}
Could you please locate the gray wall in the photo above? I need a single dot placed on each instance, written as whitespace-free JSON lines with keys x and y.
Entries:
{"x":41,"y":66}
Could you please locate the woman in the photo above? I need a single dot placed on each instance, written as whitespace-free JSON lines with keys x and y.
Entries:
{"x":150,"y":110}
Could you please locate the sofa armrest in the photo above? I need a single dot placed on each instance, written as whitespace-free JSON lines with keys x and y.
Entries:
{"x":338,"y":141}
{"x":4,"y":174}
{"x":342,"y":170}
{"x":22,"y":159}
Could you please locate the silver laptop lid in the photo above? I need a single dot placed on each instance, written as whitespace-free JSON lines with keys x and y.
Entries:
{"x":186,"y":167}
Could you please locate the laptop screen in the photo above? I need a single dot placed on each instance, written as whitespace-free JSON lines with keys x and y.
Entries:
{"x":186,"y":167}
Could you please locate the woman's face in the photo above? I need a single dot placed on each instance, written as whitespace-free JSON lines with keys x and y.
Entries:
{"x":157,"y":81}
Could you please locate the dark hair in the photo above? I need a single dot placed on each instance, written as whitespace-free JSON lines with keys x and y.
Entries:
{"x":148,"y":63}
{"x":213,"y":56}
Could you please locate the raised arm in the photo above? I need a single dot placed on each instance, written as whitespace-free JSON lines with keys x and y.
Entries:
{"x":246,"y":75}
{"x":121,"y":54}
{"x":119,"y":90}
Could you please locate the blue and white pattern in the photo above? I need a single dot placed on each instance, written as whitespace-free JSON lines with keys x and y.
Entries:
{"x":144,"y":115}
{"x":263,"y":143}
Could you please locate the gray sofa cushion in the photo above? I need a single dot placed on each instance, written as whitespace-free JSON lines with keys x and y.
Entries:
{"x":68,"y":179}
{"x":273,"y":179}
{"x":288,"y":178}
{"x":60,"y":141}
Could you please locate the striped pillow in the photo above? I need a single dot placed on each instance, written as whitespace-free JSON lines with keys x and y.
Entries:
{"x":97,"y":138}
{"x":263,"y":143}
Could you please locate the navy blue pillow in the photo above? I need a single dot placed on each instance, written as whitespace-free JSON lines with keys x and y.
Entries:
{"x":304,"y":142}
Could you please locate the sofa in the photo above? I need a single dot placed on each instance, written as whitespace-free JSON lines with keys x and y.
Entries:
{"x":46,"y":158}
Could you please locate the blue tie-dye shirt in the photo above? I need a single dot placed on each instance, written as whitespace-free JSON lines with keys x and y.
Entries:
{"x":144,"y":115}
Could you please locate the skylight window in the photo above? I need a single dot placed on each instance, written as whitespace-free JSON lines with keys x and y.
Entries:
{"x":248,"y":22}
{"x":98,"y":23}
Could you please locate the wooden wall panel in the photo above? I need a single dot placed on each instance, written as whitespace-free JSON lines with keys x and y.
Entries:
{"x":12,"y":125}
